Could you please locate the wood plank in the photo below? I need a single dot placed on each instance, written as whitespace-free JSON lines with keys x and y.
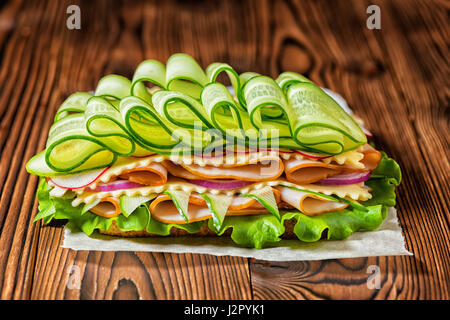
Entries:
{"x":377,"y":71}
{"x":18,"y":233}
{"x":57,"y":69}
{"x":68,"y":274}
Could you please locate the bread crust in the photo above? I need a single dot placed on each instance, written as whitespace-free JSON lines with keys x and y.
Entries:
{"x":175,"y":232}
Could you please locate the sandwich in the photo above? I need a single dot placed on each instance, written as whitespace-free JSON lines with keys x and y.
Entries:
{"x":176,"y":152}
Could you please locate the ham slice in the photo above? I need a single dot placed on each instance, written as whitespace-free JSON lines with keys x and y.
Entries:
{"x":371,"y":158}
{"x":154,"y":174}
{"x":108,"y":207}
{"x":308,"y":203}
{"x":309,"y":171}
{"x":264,"y":168}
{"x":178,"y":171}
{"x":304,"y":171}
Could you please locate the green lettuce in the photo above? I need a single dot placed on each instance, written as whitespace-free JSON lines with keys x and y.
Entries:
{"x":253,"y":231}
{"x":383,"y":181}
{"x":338,"y":225}
{"x":61,"y":208}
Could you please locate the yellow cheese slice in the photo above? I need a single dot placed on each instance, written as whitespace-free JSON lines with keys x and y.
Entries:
{"x":354,"y":191}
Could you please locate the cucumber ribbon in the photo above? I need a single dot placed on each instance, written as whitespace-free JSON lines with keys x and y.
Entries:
{"x":179,"y":107}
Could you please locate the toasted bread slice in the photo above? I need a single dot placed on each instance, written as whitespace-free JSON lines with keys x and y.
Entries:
{"x":175,"y":232}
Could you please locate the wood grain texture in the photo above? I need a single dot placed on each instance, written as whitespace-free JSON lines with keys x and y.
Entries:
{"x":395,"y":78}
{"x":391,"y":83}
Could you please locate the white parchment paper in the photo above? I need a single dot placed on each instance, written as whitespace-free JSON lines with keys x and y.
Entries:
{"x":386,"y":240}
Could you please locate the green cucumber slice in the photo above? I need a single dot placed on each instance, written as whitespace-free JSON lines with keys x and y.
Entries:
{"x":37,"y":165}
{"x":266,"y":198}
{"x":113,"y":86}
{"x":216,"y":68}
{"x":319,"y":122}
{"x":75,"y":103}
{"x":192,"y":112}
{"x":218,"y":204}
{"x":151,"y":71}
{"x":181,"y":201}
{"x":129,"y":204}
{"x":89,"y":206}
{"x":352,"y":203}
{"x":285,"y":79}
{"x":183,"y":74}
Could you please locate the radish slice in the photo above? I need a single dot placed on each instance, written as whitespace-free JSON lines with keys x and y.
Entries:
{"x":312,"y":155}
{"x":117,"y":185}
{"x":221,"y":184}
{"x":348,"y":178}
{"x":366,"y":132}
{"x":80,"y":180}
{"x":259,"y":150}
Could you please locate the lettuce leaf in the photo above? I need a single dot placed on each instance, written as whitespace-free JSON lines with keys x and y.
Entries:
{"x":383,"y":181}
{"x":61,"y":208}
{"x":253,"y":231}
{"x":388,"y":168}
{"x":337,"y":224}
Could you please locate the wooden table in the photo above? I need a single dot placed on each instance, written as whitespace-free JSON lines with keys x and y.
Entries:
{"x":396,"y":78}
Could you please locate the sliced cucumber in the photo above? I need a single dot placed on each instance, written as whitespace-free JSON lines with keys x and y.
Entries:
{"x":266,"y":198}
{"x":89,"y":206}
{"x":129,"y":204}
{"x":191,"y":111}
{"x":181,"y":201}
{"x":218,"y":204}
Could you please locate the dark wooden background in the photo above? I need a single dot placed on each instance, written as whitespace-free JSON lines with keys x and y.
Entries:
{"x":396,"y":79}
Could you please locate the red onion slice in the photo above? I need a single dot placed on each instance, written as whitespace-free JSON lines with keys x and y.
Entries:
{"x":221,"y":184}
{"x":117,"y":185}
{"x":347,"y":178}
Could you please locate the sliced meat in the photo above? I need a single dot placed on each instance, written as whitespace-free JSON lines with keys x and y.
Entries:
{"x":309,"y":203}
{"x":264,"y":168}
{"x":108,"y":208}
{"x":309,"y":171}
{"x":154,"y":174}
{"x":371,"y":158}
{"x":178,"y":171}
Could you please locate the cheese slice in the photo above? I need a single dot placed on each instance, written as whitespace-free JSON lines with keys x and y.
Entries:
{"x":356,"y":191}
{"x":351,"y":158}
{"x":256,"y":166}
